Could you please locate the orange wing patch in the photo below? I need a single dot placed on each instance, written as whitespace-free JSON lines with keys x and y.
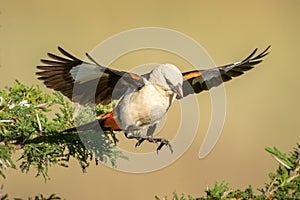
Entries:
{"x":192,"y":75}
{"x":135,"y":77}
{"x":110,"y":122}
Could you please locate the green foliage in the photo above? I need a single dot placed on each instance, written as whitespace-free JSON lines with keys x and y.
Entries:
{"x":284,"y":184}
{"x":26,"y":126}
{"x":286,"y":181}
{"x":218,"y":190}
{"x":37,"y":197}
{"x":176,"y":197}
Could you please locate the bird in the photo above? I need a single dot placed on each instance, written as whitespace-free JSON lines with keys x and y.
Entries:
{"x":141,"y":100}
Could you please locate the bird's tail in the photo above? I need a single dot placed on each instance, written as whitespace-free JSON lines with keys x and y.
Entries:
{"x":106,"y":122}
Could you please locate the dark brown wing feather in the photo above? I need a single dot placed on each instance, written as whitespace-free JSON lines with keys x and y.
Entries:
{"x":100,"y":85}
{"x":199,"y":80}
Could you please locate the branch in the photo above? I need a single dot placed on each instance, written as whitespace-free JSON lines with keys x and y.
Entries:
{"x":25,"y":126}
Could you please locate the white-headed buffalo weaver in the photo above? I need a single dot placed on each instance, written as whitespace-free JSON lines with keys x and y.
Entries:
{"x":142,"y":100}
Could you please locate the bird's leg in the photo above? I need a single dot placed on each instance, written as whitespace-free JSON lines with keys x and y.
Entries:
{"x":139,"y":137}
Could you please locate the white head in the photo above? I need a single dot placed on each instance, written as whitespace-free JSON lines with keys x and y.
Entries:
{"x":167,"y":76}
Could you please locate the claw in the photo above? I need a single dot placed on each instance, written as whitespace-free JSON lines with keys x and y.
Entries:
{"x":164,"y":142}
{"x":170,"y":148}
{"x":139,"y":142}
{"x":159,"y":147}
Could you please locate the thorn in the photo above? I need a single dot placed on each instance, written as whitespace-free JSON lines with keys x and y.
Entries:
{"x":3,"y":164}
{"x":39,"y":123}
{"x":43,"y":105}
{"x":76,"y":111}
{"x":8,"y":163}
{"x":6,"y":120}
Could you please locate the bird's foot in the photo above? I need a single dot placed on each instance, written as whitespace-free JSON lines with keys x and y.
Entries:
{"x":162,"y":142}
{"x":141,"y":138}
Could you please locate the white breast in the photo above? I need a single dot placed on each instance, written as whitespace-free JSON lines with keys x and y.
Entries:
{"x":139,"y":109}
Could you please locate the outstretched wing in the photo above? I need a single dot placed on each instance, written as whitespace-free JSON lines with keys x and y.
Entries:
{"x":198,"y":80}
{"x":84,"y":82}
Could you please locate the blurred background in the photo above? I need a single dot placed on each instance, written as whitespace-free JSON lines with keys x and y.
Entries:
{"x":262,"y":106}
